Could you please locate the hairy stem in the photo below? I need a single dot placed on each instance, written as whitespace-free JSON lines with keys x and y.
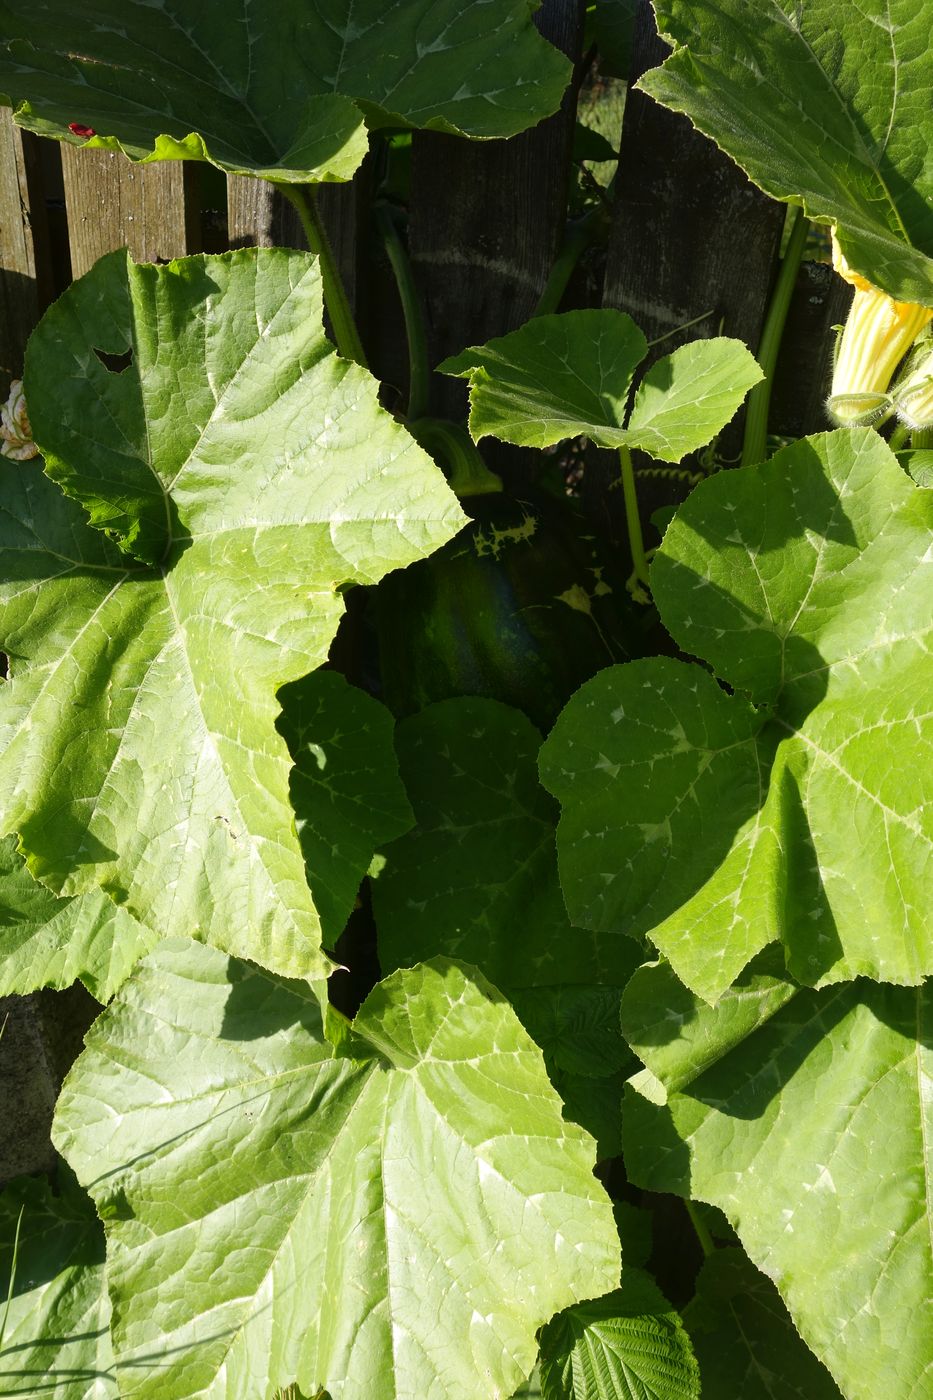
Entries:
{"x":336,"y":300}
{"x":754,"y":446}
{"x":702,"y":1233}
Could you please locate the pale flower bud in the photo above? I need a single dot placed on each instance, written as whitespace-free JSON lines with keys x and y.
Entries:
{"x":15,"y":430}
{"x":877,"y":335}
{"x":913,"y":397}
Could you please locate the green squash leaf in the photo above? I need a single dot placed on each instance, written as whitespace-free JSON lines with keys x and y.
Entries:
{"x":629,"y":1345}
{"x":138,"y":751}
{"x":744,"y":1339}
{"x":282,"y":91}
{"x":812,"y":1134}
{"x":562,"y":376}
{"x":345,"y":787}
{"x":51,"y":942}
{"x":56,"y":1342}
{"x":715,"y":823}
{"x":375,"y":1225}
{"x":823,"y":103}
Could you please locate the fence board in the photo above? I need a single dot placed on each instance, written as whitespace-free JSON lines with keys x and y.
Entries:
{"x":487,"y":219}
{"x":821,"y":301}
{"x":24,"y":273}
{"x":112,"y":203}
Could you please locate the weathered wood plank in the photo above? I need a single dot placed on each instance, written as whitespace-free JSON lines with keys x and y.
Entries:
{"x":487,"y":219}
{"x":24,"y":271}
{"x":112,"y":203}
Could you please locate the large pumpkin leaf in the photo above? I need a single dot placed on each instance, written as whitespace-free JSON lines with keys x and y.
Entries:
{"x":256,"y":472}
{"x":50,"y":942}
{"x":813,"y":1134}
{"x":562,"y":376}
{"x":715,"y":823}
{"x":629,"y":1345}
{"x":392,"y":1225}
{"x":825,"y":103}
{"x":280,"y":90}
{"x":744,"y":1339}
{"x":56,"y":1341}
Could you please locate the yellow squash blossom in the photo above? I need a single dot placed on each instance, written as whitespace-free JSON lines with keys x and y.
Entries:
{"x":877,"y":335}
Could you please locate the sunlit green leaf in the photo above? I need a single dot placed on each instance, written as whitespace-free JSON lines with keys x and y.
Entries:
{"x":824,"y":103}
{"x":568,"y":375}
{"x":795,"y":806}
{"x":281,"y":90}
{"x":254,"y":475}
{"x":275,"y":1212}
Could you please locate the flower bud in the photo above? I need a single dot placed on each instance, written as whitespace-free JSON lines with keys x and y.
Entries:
{"x":877,"y":335}
{"x":15,"y":430}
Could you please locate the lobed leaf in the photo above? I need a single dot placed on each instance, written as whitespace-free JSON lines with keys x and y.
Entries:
{"x":395,"y":1225}
{"x":793,"y":808}
{"x":823,"y":103}
{"x":571,"y":374}
{"x":283,"y":91}
{"x":812,"y":1134}
{"x":255,"y":474}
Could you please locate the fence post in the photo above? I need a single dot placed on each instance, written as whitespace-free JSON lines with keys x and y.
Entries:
{"x":112,"y":203}
{"x":24,"y":272}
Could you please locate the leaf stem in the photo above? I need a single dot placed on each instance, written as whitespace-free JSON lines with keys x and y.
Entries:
{"x":702,"y":1233}
{"x":632,"y":518}
{"x":581,"y":234}
{"x":754,"y":447}
{"x":9,"y":1292}
{"x":418,"y":366}
{"x":466,"y":472}
{"x":898,"y":438}
{"x":336,"y":300}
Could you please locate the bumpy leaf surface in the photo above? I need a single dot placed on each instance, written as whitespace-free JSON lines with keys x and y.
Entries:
{"x":795,"y":807}
{"x":345,"y":787}
{"x":562,"y":376}
{"x":825,"y":103}
{"x":278,"y":90}
{"x":395,"y":1224}
{"x":630,"y":1345}
{"x":253,"y":474}
{"x":813,"y":1134}
{"x":744,"y":1339}
{"x":51,"y":942}
{"x":56,"y":1342}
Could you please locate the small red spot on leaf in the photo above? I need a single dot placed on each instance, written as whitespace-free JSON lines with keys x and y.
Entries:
{"x":78,"y":130}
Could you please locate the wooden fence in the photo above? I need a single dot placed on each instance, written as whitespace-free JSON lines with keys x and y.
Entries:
{"x":690,"y":238}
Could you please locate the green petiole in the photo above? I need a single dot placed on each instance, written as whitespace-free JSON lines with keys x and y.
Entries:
{"x":754,"y":446}
{"x":632,"y":518}
{"x":346,"y":334}
{"x":418,"y":366}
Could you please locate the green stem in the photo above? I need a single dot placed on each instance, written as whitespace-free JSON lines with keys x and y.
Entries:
{"x":703,"y":1235}
{"x":335,"y":293}
{"x":467,"y":473}
{"x":632,"y":518}
{"x":13,"y":1261}
{"x":898,"y":438}
{"x":580,"y":235}
{"x":419,"y":368}
{"x":754,"y":448}
{"x":922,"y":437}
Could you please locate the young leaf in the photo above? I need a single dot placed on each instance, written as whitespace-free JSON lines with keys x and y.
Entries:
{"x":56,"y":1342}
{"x":51,"y":942}
{"x":393,"y":1225}
{"x":562,"y":376}
{"x":139,"y":751}
{"x":715,"y":826}
{"x":281,"y":91}
{"x":744,"y":1339}
{"x":345,"y":787}
{"x":812,"y":1135}
{"x":822,"y":103}
{"x":629,"y":1345}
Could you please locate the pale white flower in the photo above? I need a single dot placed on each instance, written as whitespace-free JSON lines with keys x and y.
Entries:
{"x":15,"y":430}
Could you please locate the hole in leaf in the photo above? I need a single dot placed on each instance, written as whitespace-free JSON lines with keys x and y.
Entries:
{"x":115,"y":363}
